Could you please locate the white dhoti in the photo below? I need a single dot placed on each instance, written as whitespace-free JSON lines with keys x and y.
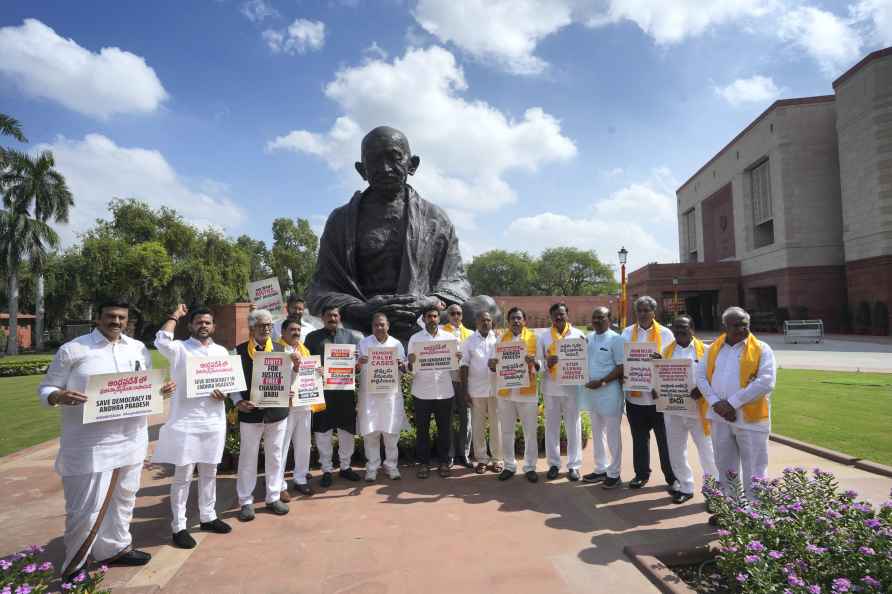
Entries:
{"x":566,"y":407}
{"x":740,"y":451}
{"x":326,"y":451}
{"x":179,"y":494}
{"x":372,"y":443}
{"x":85,"y":495}
{"x":677,"y":430}
{"x":606,"y":438}
{"x":297,"y":432}
{"x":481,"y":410}
{"x":274,"y":460}
{"x":509,"y":411}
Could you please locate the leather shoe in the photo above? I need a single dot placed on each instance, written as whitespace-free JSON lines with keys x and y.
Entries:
{"x":573,"y":474}
{"x":285,"y":496}
{"x":216,"y":525}
{"x":638,"y":482}
{"x":532,"y":476}
{"x":183,"y":540}
{"x":552,"y":473}
{"x":680,"y":497}
{"x":506,"y":474}
{"x":246,"y":514}
{"x":326,"y":480}
{"x":594,"y":477}
{"x":132,"y":557}
{"x":278,"y":508}
{"x":303,"y":489}
{"x":350,"y":475}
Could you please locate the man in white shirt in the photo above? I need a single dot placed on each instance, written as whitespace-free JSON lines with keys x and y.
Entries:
{"x":737,"y":376}
{"x":678,"y":426}
{"x":602,"y":397}
{"x":477,"y":392}
{"x":460,"y":444}
{"x":295,"y":307}
{"x":381,"y":415}
{"x":433,"y":395}
{"x":100,"y":463}
{"x":195,"y":432}
{"x":640,"y":408}
{"x":560,"y":401}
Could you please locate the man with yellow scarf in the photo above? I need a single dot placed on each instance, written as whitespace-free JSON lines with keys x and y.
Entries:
{"x":640,"y":407}
{"x":687,"y":346}
{"x":737,"y":376}
{"x":560,"y":401}
{"x":460,"y":442}
{"x":256,"y":423}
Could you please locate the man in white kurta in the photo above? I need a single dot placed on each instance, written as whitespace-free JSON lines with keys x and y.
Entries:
{"x":560,"y":401}
{"x":381,"y":414}
{"x":602,"y":397}
{"x":100,"y":463}
{"x":478,"y":391}
{"x":295,"y":308}
{"x":460,"y":442}
{"x":195,"y":432}
{"x":678,"y":426}
{"x":736,"y":377}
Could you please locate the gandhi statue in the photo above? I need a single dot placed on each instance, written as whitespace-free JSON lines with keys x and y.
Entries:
{"x":387,"y":249}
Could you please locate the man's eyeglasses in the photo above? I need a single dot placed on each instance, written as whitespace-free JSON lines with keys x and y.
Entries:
{"x":454,"y":313}
{"x":264,"y":325}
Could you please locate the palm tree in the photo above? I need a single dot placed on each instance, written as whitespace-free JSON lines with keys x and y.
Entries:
{"x":10,"y":126}
{"x":31,"y":184}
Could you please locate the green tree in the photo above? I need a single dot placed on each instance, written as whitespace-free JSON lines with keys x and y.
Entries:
{"x":293,"y":256}
{"x":9,"y":126}
{"x":498,"y":272}
{"x":258,"y":256}
{"x":571,"y":271}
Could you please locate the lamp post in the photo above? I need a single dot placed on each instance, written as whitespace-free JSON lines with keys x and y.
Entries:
{"x":675,"y":295}
{"x":623,"y":254}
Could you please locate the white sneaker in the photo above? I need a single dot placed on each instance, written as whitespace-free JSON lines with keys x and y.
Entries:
{"x":371,"y":476}
{"x":394,"y":474}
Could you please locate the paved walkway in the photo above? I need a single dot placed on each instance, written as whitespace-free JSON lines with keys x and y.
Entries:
{"x":469,"y":533}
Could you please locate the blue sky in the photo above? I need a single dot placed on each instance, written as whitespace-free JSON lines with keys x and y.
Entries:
{"x":538,"y":122}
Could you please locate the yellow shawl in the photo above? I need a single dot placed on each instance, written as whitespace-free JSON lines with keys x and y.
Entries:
{"x":702,"y":405}
{"x":252,"y":346}
{"x":653,"y":335}
{"x":304,"y":352}
{"x":463,"y":333}
{"x":757,"y":409}
{"x":552,"y":348}
{"x":529,"y":338}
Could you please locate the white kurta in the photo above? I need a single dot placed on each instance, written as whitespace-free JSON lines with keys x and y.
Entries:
{"x":379,"y":412}
{"x":666,"y":338}
{"x":195,"y":432}
{"x":96,"y":447}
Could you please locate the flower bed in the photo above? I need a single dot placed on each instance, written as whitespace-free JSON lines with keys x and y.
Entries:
{"x":24,"y":573}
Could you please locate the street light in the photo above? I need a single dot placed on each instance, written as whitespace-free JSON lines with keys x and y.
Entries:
{"x":623,"y":254}
{"x":675,"y":295}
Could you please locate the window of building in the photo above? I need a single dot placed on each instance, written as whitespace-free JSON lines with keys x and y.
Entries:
{"x":689,"y":227}
{"x":763,"y":210}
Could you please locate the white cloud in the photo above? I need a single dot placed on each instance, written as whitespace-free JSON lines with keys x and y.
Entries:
{"x":98,"y":170}
{"x":45,"y":65}
{"x":755,"y":89}
{"x":831,"y":40}
{"x":375,"y":52}
{"x":300,"y":37}
{"x":466,"y":147}
{"x":879,"y":14}
{"x":257,"y":11}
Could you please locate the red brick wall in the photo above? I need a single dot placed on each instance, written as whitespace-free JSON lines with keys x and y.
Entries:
{"x":718,"y":226}
{"x":232,"y":323}
{"x":870,"y":280}
{"x":536,"y":307}
{"x":822,"y":289}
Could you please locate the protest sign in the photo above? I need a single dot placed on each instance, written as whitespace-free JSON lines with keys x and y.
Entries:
{"x":512,"y":370}
{"x":307,"y":386}
{"x":382,"y":372}
{"x":206,"y":374}
{"x":673,"y":381}
{"x":436,"y":355}
{"x":572,"y":354}
{"x":271,"y":380}
{"x":123,"y":395}
{"x":265,"y":294}
{"x":637,"y":366}
{"x":340,"y":366}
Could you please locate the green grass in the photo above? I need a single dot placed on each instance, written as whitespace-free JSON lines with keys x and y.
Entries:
{"x":846,"y":412}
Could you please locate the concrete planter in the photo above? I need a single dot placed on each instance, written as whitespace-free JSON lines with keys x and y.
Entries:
{"x":656,"y":562}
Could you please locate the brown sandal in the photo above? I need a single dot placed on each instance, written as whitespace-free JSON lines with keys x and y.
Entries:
{"x":480,"y":468}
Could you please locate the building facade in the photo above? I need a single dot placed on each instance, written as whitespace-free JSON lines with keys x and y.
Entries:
{"x":801,"y":203}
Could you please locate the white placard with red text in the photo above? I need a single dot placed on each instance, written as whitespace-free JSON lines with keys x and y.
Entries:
{"x":572,"y":354}
{"x":340,"y":366}
{"x":113,"y":396}
{"x":266,"y":294}
{"x":638,"y":367}
{"x":206,"y":374}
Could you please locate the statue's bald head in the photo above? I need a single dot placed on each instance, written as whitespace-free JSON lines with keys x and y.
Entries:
{"x":387,"y":160}
{"x":385,"y":135}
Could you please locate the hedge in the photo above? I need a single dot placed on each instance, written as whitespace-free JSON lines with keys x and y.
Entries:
{"x":35,"y":366}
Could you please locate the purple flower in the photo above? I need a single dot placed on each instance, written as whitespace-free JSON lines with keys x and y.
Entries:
{"x":23,"y":589}
{"x":842,"y":585}
{"x":67,"y":586}
{"x":742,"y":577}
{"x":730,"y":549}
{"x":775,"y":554}
{"x":723,"y":533}
{"x":797,"y":507}
{"x":6,"y":590}
{"x":869,"y":581}
{"x":103,"y":568}
{"x":814,"y":589}
{"x":34,"y":549}
{"x":872,"y":523}
{"x":751,"y":559}
{"x":5,"y":564}
{"x":795,"y":580}
{"x":80,"y":577}
{"x":756,"y":546}
{"x":815,"y":550}
{"x":30,"y":568}
{"x":851,"y":494}
{"x":887,"y":504}
{"x":866,"y":551}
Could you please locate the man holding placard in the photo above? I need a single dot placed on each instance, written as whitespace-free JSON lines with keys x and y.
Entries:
{"x":560,"y":397}
{"x":432,"y":357}
{"x":100,"y":462}
{"x":460,"y":443}
{"x":381,"y":413}
{"x":195,"y":432}
{"x":258,"y":420}
{"x":518,"y":396}
{"x":295,"y":308}
{"x":644,"y":338}
{"x":688,"y":419}
{"x":340,"y":400}
{"x":476,"y":390}
{"x":602,"y":397}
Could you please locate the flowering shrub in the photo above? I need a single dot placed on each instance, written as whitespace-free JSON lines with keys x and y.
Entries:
{"x":24,"y":573}
{"x":801,"y":535}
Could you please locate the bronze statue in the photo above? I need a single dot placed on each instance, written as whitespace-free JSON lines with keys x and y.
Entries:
{"x":387,"y":249}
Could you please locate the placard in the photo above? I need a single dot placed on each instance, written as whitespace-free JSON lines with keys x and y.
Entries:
{"x":637,"y":366}
{"x":572,"y":354}
{"x":113,"y":396}
{"x":382,"y":372}
{"x":266,"y":294}
{"x":206,"y":374}
{"x":436,"y":355}
{"x":307,"y":386}
{"x":271,"y":380}
{"x":512,"y":370}
{"x":673,"y":381}
{"x":340,"y":366}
